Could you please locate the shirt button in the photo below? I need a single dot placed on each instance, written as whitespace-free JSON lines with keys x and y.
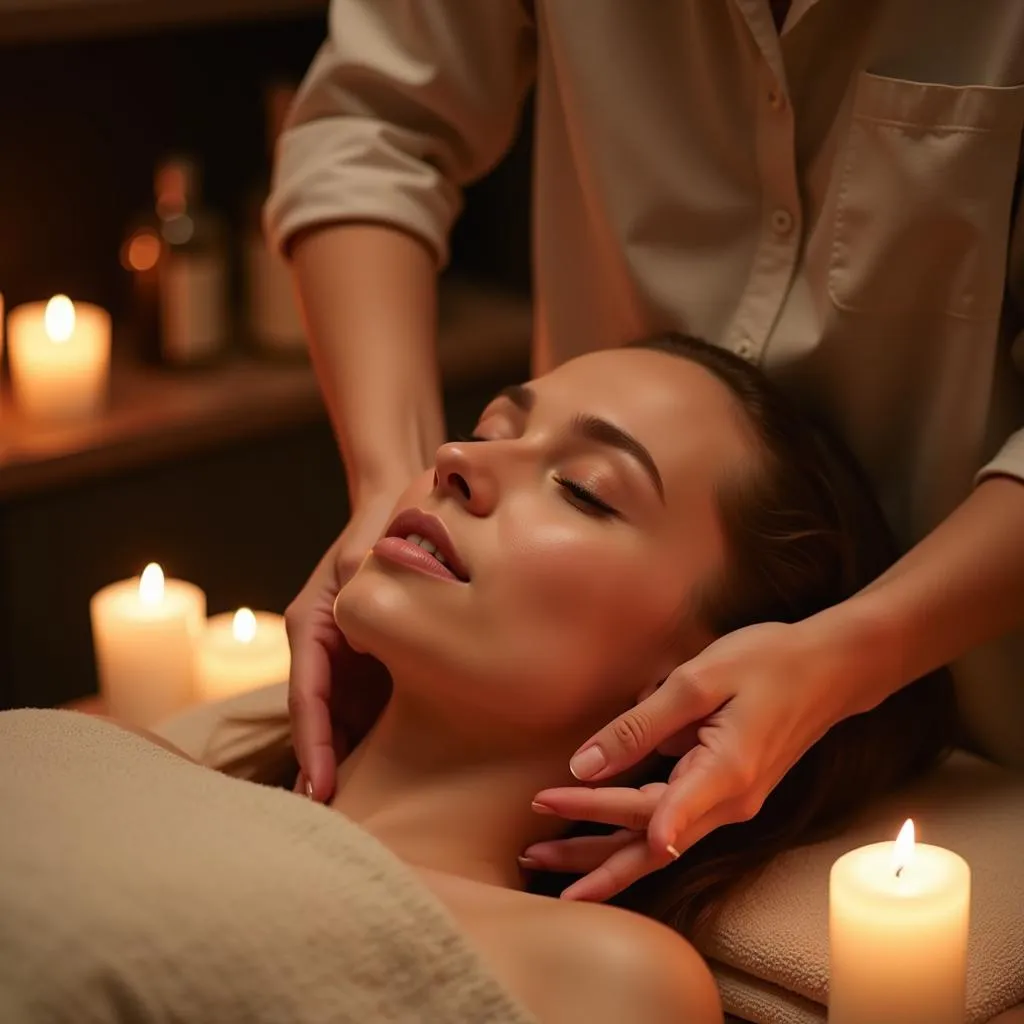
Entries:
{"x":782,"y":222}
{"x":775,"y":99}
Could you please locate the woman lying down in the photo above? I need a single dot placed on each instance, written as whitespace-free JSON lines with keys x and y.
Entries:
{"x":607,"y":521}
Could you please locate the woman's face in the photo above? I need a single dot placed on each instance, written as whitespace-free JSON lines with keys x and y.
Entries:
{"x":584,"y":516}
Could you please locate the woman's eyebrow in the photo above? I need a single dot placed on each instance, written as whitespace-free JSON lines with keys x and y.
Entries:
{"x":595,"y":429}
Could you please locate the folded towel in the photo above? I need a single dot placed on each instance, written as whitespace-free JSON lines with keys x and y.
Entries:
{"x":136,"y":886}
{"x":769,"y":947}
{"x":225,"y":732}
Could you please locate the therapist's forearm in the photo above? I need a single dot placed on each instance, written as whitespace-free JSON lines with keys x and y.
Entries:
{"x":369,"y":298}
{"x":960,"y":587}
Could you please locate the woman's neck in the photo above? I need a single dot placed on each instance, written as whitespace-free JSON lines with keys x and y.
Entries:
{"x":443,"y":797}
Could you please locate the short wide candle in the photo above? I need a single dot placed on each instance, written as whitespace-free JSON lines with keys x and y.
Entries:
{"x":144,"y":631}
{"x":242,"y":651}
{"x":59,"y":354}
{"x":898,"y":918}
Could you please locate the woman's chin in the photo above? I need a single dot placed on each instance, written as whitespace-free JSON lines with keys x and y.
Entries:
{"x":376,"y":617}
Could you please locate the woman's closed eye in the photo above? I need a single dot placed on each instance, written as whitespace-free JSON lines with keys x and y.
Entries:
{"x":578,"y":495}
{"x":585,"y":499}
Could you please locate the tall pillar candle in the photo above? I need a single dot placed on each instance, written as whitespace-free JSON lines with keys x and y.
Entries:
{"x":144,"y":632}
{"x":898,"y":919}
{"x":59,"y":356}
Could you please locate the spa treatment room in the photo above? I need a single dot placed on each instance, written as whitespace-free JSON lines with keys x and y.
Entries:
{"x":512,"y":512}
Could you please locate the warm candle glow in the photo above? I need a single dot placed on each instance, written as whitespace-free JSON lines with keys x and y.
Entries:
{"x":59,"y":357}
{"x":59,"y":318}
{"x":243,"y":627}
{"x":899,"y":914}
{"x":142,"y":252}
{"x":903,"y":851}
{"x":151,"y":585}
{"x":144,"y":632}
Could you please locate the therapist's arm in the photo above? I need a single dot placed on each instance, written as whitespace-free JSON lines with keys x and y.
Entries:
{"x":369,"y":299}
{"x":405,"y":103}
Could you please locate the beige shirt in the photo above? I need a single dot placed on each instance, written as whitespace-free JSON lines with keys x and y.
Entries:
{"x":835,"y":203}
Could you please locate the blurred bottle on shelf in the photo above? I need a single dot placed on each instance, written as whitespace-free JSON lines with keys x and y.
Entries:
{"x":178,"y":259}
{"x":272,"y":319}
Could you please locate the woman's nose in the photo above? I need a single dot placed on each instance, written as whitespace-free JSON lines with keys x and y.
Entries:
{"x":461,"y":472}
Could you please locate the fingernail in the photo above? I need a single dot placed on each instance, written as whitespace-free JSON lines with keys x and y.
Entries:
{"x":541,"y":808}
{"x":587,"y":763}
{"x":673,"y":852}
{"x":528,"y":862}
{"x":309,"y":789}
{"x":574,"y":892}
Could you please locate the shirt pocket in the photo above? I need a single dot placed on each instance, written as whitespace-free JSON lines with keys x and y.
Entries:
{"x":926,"y":178}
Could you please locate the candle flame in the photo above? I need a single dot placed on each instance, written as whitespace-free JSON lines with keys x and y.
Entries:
{"x":903,"y":851}
{"x":243,"y":626}
{"x":59,"y":318}
{"x":151,"y":584}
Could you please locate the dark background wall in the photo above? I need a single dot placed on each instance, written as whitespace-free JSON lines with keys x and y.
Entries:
{"x":82,"y":124}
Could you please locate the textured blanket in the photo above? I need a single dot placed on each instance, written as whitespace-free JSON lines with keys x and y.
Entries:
{"x":137,"y":887}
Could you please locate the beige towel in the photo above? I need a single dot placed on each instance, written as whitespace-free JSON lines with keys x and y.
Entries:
{"x":769,"y":949}
{"x":135,"y":886}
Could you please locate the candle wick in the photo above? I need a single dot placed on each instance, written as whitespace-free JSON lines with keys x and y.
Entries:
{"x":899,"y":871}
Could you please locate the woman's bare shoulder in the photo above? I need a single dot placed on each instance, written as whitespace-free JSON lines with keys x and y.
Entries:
{"x":617,"y":965}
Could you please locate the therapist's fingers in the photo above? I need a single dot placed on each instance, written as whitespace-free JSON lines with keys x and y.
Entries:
{"x":703,"y":787}
{"x":678,"y":703}
{"x":618,"y":872}
{"x":612,"y":805}
{"x":578,"y":854}
{"x":309,"y":708}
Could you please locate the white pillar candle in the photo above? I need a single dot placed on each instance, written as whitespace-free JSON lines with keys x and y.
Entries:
{"x":240,"y":651}
{"x":144,"y":632}
{"x":898,"y":917}
{"x":59,"y":355}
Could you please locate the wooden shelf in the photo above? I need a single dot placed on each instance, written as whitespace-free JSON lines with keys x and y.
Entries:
{"x":159,"y":414}
{"x":49,"y":20}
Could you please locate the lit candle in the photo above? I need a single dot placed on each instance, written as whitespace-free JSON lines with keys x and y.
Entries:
{"x":144,"y":632}
{"x":241,"y":651}
{"x":898,"y":917}
{"x":3,"y":323}
{"x":59,"y":355}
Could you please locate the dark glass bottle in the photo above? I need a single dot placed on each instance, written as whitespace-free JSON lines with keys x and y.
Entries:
{"x":192,"y":270}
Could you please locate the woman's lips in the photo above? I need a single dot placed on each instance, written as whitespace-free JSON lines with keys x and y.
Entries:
{"x":414,"y":522}
{"x":404,"y":552}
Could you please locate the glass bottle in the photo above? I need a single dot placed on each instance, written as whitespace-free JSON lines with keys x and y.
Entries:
{"x":192,"y":269}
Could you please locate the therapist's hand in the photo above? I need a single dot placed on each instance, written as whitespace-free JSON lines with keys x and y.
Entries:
{"x":741,"y":714}
{"x":334,"y":694}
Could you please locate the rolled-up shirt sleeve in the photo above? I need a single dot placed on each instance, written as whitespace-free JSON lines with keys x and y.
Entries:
{"x":1009,"y":460}
{"x":405,"y":103}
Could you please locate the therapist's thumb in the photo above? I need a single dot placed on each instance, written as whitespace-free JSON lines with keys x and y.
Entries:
{"x":638,"y":732}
